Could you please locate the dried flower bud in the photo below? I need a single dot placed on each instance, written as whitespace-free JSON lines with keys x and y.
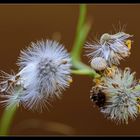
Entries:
{"x":98,"y":63}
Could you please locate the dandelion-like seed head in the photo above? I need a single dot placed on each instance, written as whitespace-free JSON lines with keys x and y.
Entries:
{"x":111,"y":47}
{"x":45,"y":71}
{"x":122,"y":92}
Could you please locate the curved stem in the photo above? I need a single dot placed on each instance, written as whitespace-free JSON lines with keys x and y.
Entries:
{"x":81,"y":35}
{"x":6,"y":120}
{"x":80,"y":68}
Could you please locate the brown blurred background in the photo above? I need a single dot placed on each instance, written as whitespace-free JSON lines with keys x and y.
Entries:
{"x":74,"y":114}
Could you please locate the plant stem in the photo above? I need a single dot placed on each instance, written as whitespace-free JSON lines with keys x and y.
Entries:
{"x":80,"y":40}
{"x":82,"y":69}
{"x":6,"y":120}
{"x":81,"y":35}
{"x":82,"y":16}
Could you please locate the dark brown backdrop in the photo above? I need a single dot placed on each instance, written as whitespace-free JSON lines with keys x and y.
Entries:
{"x":74,"y":114}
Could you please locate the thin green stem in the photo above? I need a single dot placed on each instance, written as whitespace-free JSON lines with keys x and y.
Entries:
{"x":81,"y":34}
{"x":80,"y":68}
{"x":82,"y":16}
{"x":6,"y":120}
{"x":80,"y":40}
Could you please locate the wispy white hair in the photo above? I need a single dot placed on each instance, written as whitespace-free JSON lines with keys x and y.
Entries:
{"x":110,"y":47}
{"x":45,"y":68}
{"x":122,"y":92}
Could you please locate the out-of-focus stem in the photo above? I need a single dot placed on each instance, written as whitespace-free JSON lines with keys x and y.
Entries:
{"x":82,"y":31}
{"x":6,"y":120}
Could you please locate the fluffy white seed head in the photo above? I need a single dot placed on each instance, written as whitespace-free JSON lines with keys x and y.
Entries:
{"x":122,"y":92}
{"x":45,"y":69}
{"x":112,"y":48}
{"x":98,"y":63}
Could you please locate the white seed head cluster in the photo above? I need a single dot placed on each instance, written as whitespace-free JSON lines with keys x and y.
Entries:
{"x":45,"y":69}
{"x":116,"y":93}
{"x":112,"y":48}
{"x":122,"y":91}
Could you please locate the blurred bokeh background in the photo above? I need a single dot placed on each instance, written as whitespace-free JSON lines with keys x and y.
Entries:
{"x":74,"y":113}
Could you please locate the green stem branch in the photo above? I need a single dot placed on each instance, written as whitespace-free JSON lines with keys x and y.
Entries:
{"x":82,"y":31}
{"x":80,"y":68}
{"x":82,"y":16}
{"x":6,"y":120}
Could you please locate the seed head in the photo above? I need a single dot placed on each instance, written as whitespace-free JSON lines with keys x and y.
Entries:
{"x":121,"y":88}
{"x":45,"y":69}
{"x":112,"y":48}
